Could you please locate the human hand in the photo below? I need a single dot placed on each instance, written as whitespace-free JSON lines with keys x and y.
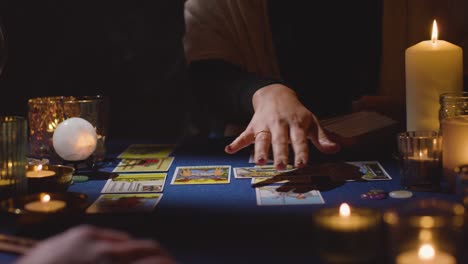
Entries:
{"x":88,"y":244}
{"x":281,"y":119}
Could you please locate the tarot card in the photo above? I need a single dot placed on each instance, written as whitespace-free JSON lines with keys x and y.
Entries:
{"x":282,"y":179}
{"x":371,"y":170}
{"x":125,"y":203}
{"x":210,"y":174}
{"x":358,"y":123}
{"x":144,"y":165}
{"x":135,"y":183}
{"x":147,"y":151}
{"x":260,"y":171}
{"x":259,"y":180}
{"x":269,"y":195}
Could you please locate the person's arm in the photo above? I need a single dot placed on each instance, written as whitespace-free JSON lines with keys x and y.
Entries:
{"x":223,"y":34}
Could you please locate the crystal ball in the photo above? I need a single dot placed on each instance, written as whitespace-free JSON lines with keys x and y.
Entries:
{"x":74,"y":139}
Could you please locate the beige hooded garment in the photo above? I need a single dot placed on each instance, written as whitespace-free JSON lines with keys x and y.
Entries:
{"x":404,"y":23}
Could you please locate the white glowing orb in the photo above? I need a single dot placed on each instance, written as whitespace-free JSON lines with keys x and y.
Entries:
{"x":74,"y":139}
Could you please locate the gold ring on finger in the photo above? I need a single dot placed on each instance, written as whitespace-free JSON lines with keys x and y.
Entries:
{"x":261,"y":131}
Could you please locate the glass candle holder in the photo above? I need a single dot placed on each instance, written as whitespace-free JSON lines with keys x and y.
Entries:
{"x":46,"y":113}
{"x":461,"y":183}
{"x":425,"y":231}
{"x":348,"y":235}
{"x":420,"y":160}
{"x":452,"y":104}
{"x":13,"y":145}
{"x":455,"y":146}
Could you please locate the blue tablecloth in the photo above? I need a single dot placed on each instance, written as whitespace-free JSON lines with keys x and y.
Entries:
{"x":222,"y":223}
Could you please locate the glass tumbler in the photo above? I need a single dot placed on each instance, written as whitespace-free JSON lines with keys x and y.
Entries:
{"x":13,"y":145}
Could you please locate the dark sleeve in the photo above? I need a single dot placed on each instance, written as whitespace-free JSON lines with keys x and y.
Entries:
{"x":226,"y":89}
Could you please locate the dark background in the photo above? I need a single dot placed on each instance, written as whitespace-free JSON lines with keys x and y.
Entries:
{"x":130,"y":51}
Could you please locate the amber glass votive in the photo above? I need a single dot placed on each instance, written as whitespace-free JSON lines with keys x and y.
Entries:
{"x":425,"y":231}
{"x":348,"y":234}
{"x":46,"y":113}
{"x":420,"y":160}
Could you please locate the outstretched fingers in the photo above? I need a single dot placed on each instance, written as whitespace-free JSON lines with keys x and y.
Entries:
{"x":243,"y":140}
{"x":300,"y":146}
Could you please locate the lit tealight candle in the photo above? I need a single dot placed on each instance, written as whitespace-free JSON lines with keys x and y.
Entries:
{"x":338,"y":231}
{"x":45,"y":205}
{"x":38,"y":172}
{"x":345,"y":220}
{"x":433,"y":67}
{"x":74,"y":139}
{"x":426,"y":254}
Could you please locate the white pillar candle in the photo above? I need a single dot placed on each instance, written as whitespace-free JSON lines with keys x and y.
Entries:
{"x":432,"y":67}
{"x":454,"y":145}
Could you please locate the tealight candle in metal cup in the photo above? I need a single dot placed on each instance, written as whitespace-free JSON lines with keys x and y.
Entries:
{"x":48,"y":178}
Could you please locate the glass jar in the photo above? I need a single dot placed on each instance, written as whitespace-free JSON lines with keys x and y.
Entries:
{"x":462,"y":184}
{"x":453,"y":118}
{"x":452,"y":104}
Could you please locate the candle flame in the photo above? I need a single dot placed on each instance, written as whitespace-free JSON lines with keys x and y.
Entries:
{"x":53,"y":125}
{"x":426,"y":252}
{"x":435,"y":32}
{"x":38,"y":167}
{"x":45,"y":198}
{"x":345,"y":210}
{"x":423,"y":153}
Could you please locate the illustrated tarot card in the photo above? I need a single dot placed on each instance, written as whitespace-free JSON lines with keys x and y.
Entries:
{"x":144,"y":165}
{"x":282,"y":179}
{"x":269,"y":195}
{"x":257,"y":180}
{"x":124,"y":203}
{"x":147,"y":151}
{"x":210,"y":174}
{"x":371,"y":170}
{"x":135,"y":183}
{"x":260,"y":171}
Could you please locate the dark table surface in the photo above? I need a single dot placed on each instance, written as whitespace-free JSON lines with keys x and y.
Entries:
{"x":222,"y":223}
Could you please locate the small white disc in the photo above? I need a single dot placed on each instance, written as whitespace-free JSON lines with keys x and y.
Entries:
{"x":400,"y":194}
